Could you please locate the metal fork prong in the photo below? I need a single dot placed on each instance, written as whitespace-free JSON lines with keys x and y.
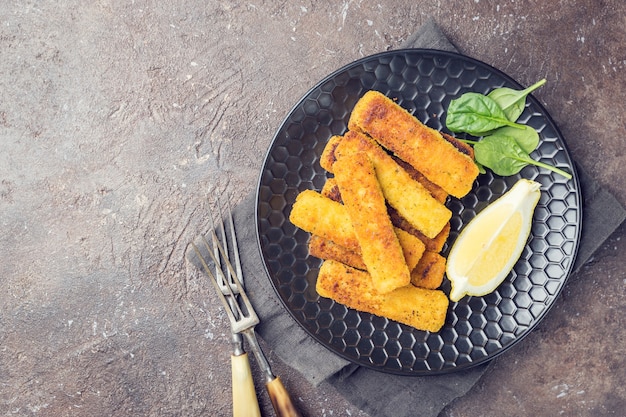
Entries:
{"x":221,"y":295}
{"x":242,"y":293}
{"x":249,"y":313}
{"x":245,"y":323}
{"x":216,"y":255}
{"x":218,"y":265}
{"x":226,"y":290}
{"x":224,"y":239}
{"x":228,"y":265}
{"x":234,"y":243}
{"x":222,"y":231}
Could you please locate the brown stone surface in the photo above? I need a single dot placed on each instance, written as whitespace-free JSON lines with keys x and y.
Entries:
{"x":117,"y":118}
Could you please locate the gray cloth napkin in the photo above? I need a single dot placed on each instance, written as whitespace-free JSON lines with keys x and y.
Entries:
{"x":369,"y":390}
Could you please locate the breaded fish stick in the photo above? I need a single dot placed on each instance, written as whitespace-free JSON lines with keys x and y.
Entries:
{"x":365,"y":203}
{"x":330,"y":220}
{"x":331,"y":190}
{"x":419,"y":145}
{"x":324,"y":217}
{"x":412,"y":248}
{"x":417,"y":307}
{"x":410,"y":198}
{"x":327,"y":249}
{"x":328,"y":158}
{"x":429,"y":271}
{"x":432,"y":244}
{"x":436,"y":191}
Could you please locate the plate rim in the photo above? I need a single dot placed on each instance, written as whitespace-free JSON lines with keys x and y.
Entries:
{"x":577,"y":191}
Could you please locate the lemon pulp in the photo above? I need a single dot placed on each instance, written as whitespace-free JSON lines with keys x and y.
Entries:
{"x":492,"y":242}
{"x":494,"y":256}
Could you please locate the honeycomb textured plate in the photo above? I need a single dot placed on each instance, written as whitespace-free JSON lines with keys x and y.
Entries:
{"x":477,"y":328}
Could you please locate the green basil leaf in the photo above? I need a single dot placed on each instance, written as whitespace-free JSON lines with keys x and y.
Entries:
{"x":512,"y":102}
{"x":501,"y":154}
{"x":527,"y":138}
{"x":475,"y":114}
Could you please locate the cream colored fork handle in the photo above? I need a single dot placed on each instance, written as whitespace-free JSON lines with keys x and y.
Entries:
{"x":281,"y":401}
{"x":245,"y":402}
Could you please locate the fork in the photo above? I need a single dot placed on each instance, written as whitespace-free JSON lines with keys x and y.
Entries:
{"x":242,"y":318}
{"x":245,"y":402}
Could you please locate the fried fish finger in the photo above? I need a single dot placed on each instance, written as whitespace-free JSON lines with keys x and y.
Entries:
{"x":328,"y":158}
{"x":328,"y":219}
{"x":327,"y":249}
{"x":324,"y":217}
{"x":412,"y":248}
{"x":331,"y":190}
{"x":419,"y":145}
{"x":429,"y":271}
{"x":365,"y":203}
{"x":409,"y":197}
{"x":421,"y":308}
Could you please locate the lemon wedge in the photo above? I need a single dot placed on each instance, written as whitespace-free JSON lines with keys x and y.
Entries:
{"x":487,"y":249}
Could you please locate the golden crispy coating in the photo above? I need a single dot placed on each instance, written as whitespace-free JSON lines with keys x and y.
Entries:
{"x":409,"y":139}
{"x":436,"y":244}
{"x":432,"y":244}
{"x":365,"y":203}
{"x":436,"y":191}
{"x":327,"y":249}
{"x":421,"y":308}
{"x":324,"y":217}
{"x":409,"y":197}
{"x":381,"y":222}
{"x":330,"y":220}
{"x":327,"y":159}
{"x":331,"y":190}
{"x":429,"y":271}
{"x":412,"y":249}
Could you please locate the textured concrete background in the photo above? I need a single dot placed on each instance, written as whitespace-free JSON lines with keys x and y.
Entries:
{"x":117,"y":118}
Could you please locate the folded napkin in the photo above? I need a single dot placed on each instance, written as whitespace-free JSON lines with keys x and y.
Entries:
{"x":369,"y":390}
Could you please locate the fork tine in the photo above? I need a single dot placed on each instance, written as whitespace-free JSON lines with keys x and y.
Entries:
{"x":227,"y":289}
{"x":216,"y":255}
{"x":218,"y":264}
{"x":205,"y":266}
{"x":234,"y":242}
{"x":220,"y":228}
{"x":244,"y":323}
{"x":222,"y":217}
{"x":249,"y":312}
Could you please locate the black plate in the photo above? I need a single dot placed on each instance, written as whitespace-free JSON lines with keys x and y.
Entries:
{"x":477,"y":328}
